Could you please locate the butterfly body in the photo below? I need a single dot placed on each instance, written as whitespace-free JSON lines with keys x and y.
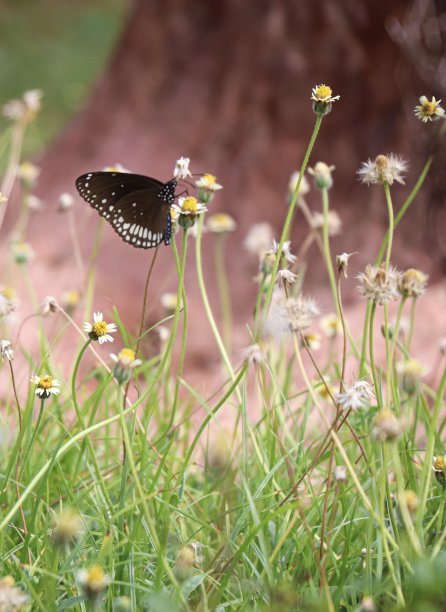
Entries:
{"x":136,"y":206}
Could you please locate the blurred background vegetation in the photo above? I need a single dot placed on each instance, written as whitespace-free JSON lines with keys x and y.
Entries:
{"x":60,"y":47}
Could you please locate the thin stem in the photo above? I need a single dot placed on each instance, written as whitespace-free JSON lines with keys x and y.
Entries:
{"x":223,"y":289}
{"x":391,"y":224}
{"x":327,"y":253}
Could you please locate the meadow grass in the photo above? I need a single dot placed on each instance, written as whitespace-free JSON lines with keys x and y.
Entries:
{"x":122,"y":490}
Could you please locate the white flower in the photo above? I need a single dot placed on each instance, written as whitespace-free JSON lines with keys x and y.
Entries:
{"x":322,"y":175}
{"x":331,"y":325}
{"x":6,"y":351}
{"x":100,"y":330}
{"x":259,"y":238}
{"x":208,"y":182}
{"x":188,"y":205}
{"x":312,"y":340}
{"x":429,"y":110}
{"x":286,"y":251}
{"x":66,"y":201}
{"x":32,"y":100}
{"x":301,"y":311}
{"x":252,"y":354}
{"x":340,"y":473}
{"x":32,"y":202}
{"x":304,"y":184}
{"x":46,"y":386}
{"x":116,"y":168}
{"x":323,"y":93}
{"x":379,"y":285}
{"x":169,"y":302}
{"x":26,"y":108}
{"x":221,"y":223}
{"x":358,"y":395}
{"x":127,"y":358}
{"x":11,"y":597}
{"x":333,"y":221}
{"x":181,"y":170}
{"x":49,"y":305}
{"x":384,"y":169}
{"x":342,"y":262}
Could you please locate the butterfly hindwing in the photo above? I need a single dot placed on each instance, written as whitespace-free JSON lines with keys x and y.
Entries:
{"x":136,"y":206}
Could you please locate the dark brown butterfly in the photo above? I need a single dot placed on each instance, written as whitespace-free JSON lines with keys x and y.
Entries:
{"x":136,"y":206}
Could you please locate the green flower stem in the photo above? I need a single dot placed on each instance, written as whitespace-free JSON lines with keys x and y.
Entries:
{"x":291,"y":209}
{"x":223,"y":289}
{"x":34,"y":435}
{"x":207,"y":307}
{"x":372,"y":358}
{"x":327,"y":253}
{"x":390,"y":231}
{"x":13,"y":162}
{"x":411,"y":324}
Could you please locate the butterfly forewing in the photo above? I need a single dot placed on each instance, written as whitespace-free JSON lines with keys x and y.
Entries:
{"x":136,"y":206}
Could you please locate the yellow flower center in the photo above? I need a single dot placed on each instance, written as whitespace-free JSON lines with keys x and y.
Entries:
{"x":127,"y":355}
{"x":72,"y":297}
{"x":100,"y":328}
{"x":381,"y":162}
{"x":209,"y":179}
{"x":322,"y":92}
{"x":438,"y":463}
{"x":8,"y":293}
{"x":95,"y":576}
{"x":46,"y":382}
{"x":429,"y":108}
{"x":190,"y":205}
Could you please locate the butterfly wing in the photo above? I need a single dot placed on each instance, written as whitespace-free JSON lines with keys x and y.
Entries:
{"x":136,"y":206}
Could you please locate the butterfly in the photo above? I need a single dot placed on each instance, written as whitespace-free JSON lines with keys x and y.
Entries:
{"x":136,"y":206}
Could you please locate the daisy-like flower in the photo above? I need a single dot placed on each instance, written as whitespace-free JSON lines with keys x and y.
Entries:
{"x":323,"y":98}
{"x":181,"y":170}
{"x":439,"y":468}
{"x":28,"y":173}
{"x":359,"y":395}
{"x":22,"y":252}
{"x":12,"y":598}
{"x":169,"y":302}
{"x":301,"y":311}
{"x":221,"y":223}
{"x":258,"y":239}
{"x":66,"y":202}
{"x":93,"y":581}
{"x":429,"y":110}
{"x":67,"y":526}
{"x":412,"y":283}
{"x":379,"y":285}
{"x":386,"y":426}
{"x":187,"y":210}
{"x":322,"y":175}
{"x":8,"y":301}
{"x":46,"y":386}
{"x":333,"y":220}
{"x":411,"y":373}
{"x":125,"y":361}
{"x":342,"y":263}
{"x":312,"y":340}
{"x":331,"y":325}
{"x":3,"y":199}
{"x":6,"y":351}
{"x":49,"y":305}
{"x":100,"y":330}
{"x":292,"y":185}
{"x":286,"y":251}
{"x":208,"y":182}
{"x":116,"y":168}
{"x":384,"y":169}
{"x":24,"y":109}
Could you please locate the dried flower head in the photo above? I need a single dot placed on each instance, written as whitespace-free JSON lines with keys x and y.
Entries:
{"x":49,"y":305}
{"x":386,"y":426}
{"x":379,"y":285}
{"x":359,"y":395}
{"x":342,"y":263}
{"x":67,"y":526}
{"x":323,"y":98}
{"x":286,"y":278}
{"x":412,"y":283}
{"x":252,"y":354}
{"x":181,"y":170}
{"x":322,"y":175}
{"x":340,"y":473}
{"x":66,"y":201}
{"x":93,"y":581}
{"x":384,"y":169}
{"x":100,"y":330}
{"x":286,"y":251}
{"x":6,"y":351}
{"x":259,"y":239}
{"x":411,"y":373}
{"x":429,"y":110}
{"x":304,"y":187}
{"x":12,"y":598}
{"x":301,"y":311}
{"x":46,"y":386}
{"x":334,"y":222}
{"x":221,"y":223}
{"x":125,"y":362}
{"x":22,"y":252}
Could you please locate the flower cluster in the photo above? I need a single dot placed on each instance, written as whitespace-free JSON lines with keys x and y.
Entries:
{"x":24,"y":109}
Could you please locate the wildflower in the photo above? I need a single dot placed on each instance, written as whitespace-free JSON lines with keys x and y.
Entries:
{"x":357,"y":396}
{"x":412,"y":283}
{"x":8,"y":301}
{"x":46,"y":386}
{"x":258,"y":239}
{"x":6,"y":351}
{"x":286,"y":278}
{"x":340,"y":473}
{"x":70,"y":299}
{"x":385,"y":169}
{"x":66,"y":202}
{"x":221,"y":223}
{"x":253,"y":354}
{"x":11,"y":597}
{"x":100,"y":330}
{"x":411,"y":372}
{"x":184,"y":562}
{"x":32,"y":202}
{"x":163,"y":333}
{"x":342,"y":263}
{"x":304,"y":187}
{"x":28,"y":173}
{"x":49,"y":305}
{"x":334,"y":222}
{"x":323,"y":98}
{"x":324,"y":388}
{"x":3,"y":199}
{"x":301,"y":312}
{"x":187,"y":210}
{"x":322,"y":175}
{"x":32,"y":99}
{"x":412,"y":501}
{"x":24,"y":109}
{"x":331,"y":325}
{"x":429,"y":110}
{"x":181,"y":170}
{"x":22,"y":252}
{"x":439,"y":467}
{"x":122,"y":604}
{"x":125,"y":361}
{"x":286,"y":251}
{"x":207,"y":186}
{"x":93,"y":581}
{"x":67,"y":527}
{"x":386,"y":427}
{"x":169,"y":302}
{"x":367,"y":604}
{"x":116,"y":168}
{"x":379,"y":285}
{"x":312,"y":340}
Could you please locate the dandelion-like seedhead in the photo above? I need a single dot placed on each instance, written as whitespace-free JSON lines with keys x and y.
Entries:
{"x":359,"y":395}
{"x":181,"y":170}
{"x":286,"y":278}
{"x":384,"y":169}
{"x":100,"y":330}
{"x":93,"y":581}
{"x":323,"y":99}
{"x":322,"y":174}
{"x":286,"y":251}
{"x":301,"y":311}
{"x":252,"y":354}
{"x":6,"y":350}
{"x":412,"y":283}
{"x":221,"y":223}
{"x":429,"y":110}
{"x":342,"y":263}
{"x":46,"y":386}
{"x":378,"y":285}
